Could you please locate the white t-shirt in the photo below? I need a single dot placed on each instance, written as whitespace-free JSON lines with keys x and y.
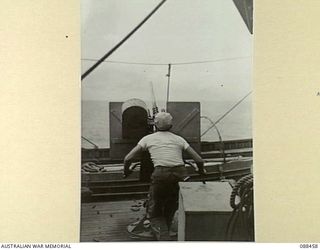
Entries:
{"x":165,"y":148}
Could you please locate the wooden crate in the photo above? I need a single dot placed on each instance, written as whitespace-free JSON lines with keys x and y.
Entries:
{"x":204,"y":211}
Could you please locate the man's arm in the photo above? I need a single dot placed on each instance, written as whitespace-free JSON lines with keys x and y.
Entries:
{"x":129,"y":157}
{"x":197,"y":158}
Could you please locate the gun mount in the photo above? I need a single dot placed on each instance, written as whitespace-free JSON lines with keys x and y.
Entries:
{"x":131,"y":120}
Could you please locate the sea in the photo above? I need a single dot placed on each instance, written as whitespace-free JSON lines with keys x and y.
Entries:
{"x":235,"y":125}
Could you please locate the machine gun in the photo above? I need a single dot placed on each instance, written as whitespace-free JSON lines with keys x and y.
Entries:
{"x":131,"y":120}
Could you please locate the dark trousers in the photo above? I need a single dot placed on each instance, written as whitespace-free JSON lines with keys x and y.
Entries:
{"x":164,"y":197}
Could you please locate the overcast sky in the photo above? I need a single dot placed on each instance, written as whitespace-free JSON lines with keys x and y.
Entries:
{"x":180,"y":31}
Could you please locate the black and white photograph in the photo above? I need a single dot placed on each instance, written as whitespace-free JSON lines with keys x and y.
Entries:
{"x":166,"y":120}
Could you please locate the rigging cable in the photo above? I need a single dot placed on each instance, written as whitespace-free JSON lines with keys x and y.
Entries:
{"x":86,"y":139}
{"x":166,"y":64}
{"x":122,"y":41}
{"x":225,"y":114}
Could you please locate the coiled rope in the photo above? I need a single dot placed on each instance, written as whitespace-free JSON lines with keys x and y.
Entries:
{"x":241,"y":223}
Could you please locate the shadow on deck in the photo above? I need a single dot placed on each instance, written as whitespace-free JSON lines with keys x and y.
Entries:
{"x":108,"y":221}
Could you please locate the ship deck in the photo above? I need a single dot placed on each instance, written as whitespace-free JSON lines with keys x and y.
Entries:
{"x":108,"y":221}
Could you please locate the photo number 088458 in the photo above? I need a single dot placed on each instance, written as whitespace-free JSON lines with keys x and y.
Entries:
{"x":305,"y":245}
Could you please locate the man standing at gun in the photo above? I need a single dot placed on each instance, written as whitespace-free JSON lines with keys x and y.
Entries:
{"x":166,"y":151}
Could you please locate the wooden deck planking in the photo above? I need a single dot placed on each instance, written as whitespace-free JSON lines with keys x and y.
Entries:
{"x":108,"y":221}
